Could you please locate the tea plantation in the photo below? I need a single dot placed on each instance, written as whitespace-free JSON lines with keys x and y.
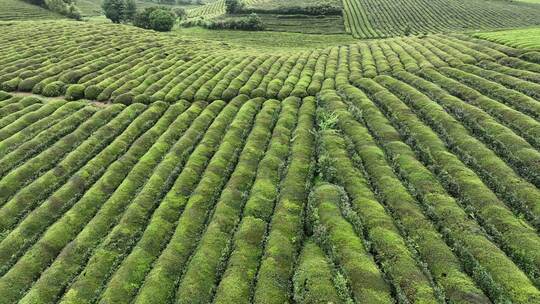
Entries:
{"x":201,"y":166}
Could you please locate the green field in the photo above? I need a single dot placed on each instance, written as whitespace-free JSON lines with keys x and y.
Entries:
{"x":12,"y":10}
{"x":522,"y":38}
{"x":298,"y":165}
{"x":279,"y":42}
{"x":376,"y":19}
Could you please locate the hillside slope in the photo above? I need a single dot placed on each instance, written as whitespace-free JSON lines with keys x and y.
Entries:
{"x":20,"y":10}
{"x":385,"y":18}
{"x":392,"y":170}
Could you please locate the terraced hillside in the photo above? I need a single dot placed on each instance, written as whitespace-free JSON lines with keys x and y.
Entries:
{"x":398,"y":170}
{"x":298,"y":16}
{"x":377,"y":19}
{"x":520,"y":38}
{"x":138,"y":66}
{"x":11,"y":10}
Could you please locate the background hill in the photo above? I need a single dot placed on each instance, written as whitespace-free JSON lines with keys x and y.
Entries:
{"x":20,"y":10}
{"x":386,"y":18}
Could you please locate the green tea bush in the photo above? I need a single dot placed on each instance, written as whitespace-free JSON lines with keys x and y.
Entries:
{"x":54,"y":89}
{"x":49,"y":209}
{"x":162,"y":223}
{"x":286,"y":234}
{"x":204,"y":269}
{"x":464,"y":183}
{"x":522,"y":124}
{"x":524,"y":197}
{"x":342,"y":243}
{"x":43,"y":140}
{"x":45,"y":124}
{"x":160,"y":283}
{"x":249,"y":237}
{"x":459,"y":230}
{"x":75,"y":92}
{"x":114,"y":203}
{"x":313,"y":277}
{"x":418,"y":232}
{"x":515,"y":150}
{"x":29,"y":118}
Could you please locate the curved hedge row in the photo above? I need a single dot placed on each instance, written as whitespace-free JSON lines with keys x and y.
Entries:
{"x":377,"y":19}
{"x":247,"y":247}
{"x":285,"y":233}
{"x":155,"y":67}
{"x":516,"y":237}
{"x":416,"y":229}
{"x":491,"y":269}
{"x":162,"y":281}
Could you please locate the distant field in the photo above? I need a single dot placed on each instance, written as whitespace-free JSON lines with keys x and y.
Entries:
{"x":522,"y":38}
{"x":92,"y":8}
{"x":20,"y":10}
{"x":275,"y":17}
{"x":303,"y":23}
{"x":276,"y":5}
{"x":379,"y":19}
{"x":375,"y":19}
{"x":267,"y":41}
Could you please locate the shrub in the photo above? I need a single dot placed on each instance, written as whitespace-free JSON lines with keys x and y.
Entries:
{"x":54,"y":89}
{"x":92,"y":92}
{"x":114,"y":10}
{"x":162,"y":224}
{"x":250,"y":23}
{"x":198,"y":282}
{"x":341,"y":242}
{"x":462,"y":181}
{"x":4,"y":95}
{"x":155,"y":18}
{"x":28,"y":84}
{"x":233,"y":6}
{"x":75,"y":92}
{"x":160,"y":284}
{"x":74,"y":188}
{"x":369,"y":208}
{"x":286,"y":233}
{"x":313,"y":278}
{"x":115,"y":201}
{"x":162,"y":20}
{"x":126,"y":98}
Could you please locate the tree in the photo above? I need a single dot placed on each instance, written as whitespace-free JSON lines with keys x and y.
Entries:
{"x":142,"y":18}
{"x":64,"y":7}
{"x":114,"y":10}
{"x":162,"y":20}
{"x":119,"y":10}
{"x":155,"y":18}
{"x":131,"y":10}
{"x":180,"y":13}
{"x":233,"y":6}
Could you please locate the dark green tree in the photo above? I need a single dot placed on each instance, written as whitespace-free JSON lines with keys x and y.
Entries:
{"x":156,"y":18}
{"x":162,"y":20}
{"x":180,"y":13}
{"x":233,"y":6}
{"x":131,"y":10}
{"x":114,"y":10}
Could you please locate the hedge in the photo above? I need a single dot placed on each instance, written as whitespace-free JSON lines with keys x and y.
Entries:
{"x":162,"y":281}
{"x":481,"y":258}
{"x":247,"y":248}
{"x":285,"y":233}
